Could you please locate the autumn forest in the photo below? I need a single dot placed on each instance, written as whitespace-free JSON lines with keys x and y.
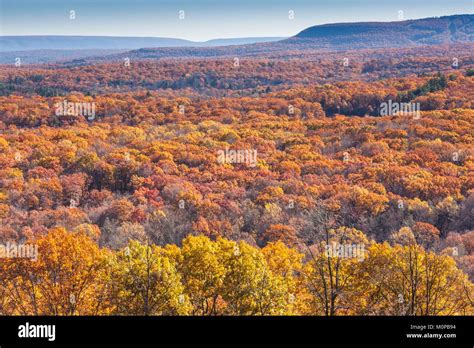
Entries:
{"x":293,"y":182}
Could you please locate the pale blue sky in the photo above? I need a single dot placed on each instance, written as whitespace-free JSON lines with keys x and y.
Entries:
{"x":205,"y":19}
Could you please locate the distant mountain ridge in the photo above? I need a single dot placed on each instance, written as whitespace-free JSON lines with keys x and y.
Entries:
{"x":57,"y":42}
{"x":339,"y":36}
{"x":327,"y":37}
{"x":426,"y":31}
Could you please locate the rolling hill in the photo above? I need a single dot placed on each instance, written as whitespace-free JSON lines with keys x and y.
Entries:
{"x":335,"y":37}
{"x":427,"y":31}
{"x":327,"y":37}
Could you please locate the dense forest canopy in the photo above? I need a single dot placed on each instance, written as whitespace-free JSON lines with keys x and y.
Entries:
{"x":214,"y":173}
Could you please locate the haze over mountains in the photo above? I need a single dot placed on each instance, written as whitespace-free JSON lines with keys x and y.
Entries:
{"x":46,"y":49}
{"x":46,"y":42}
{"x":331,"y":37}
{"x":339,"y":36}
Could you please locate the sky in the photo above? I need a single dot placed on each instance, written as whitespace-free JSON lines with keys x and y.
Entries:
{"x":201,"y":20}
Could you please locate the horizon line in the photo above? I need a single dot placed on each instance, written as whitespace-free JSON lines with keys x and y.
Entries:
{"x":234,"y":37}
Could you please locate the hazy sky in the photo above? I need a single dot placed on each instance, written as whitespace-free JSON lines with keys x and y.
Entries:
{"x":205,"y":19}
